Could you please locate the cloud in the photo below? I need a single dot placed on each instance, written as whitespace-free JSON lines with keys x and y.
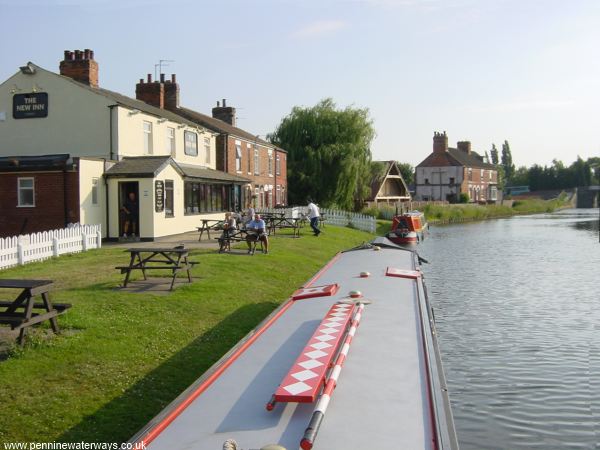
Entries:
{"x":319,"y":28}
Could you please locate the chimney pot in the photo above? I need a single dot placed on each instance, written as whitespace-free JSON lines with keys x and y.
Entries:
{"x":141,"y":81}
{"x":173,"y":78}
{"x":91,"y":54}
{"x":86,"y":53}
{"x":67,"y":55}
{"x":80,"y":66}
{"x":149,"y":78}
{"x":224,"y":105}
{"x":218,"y":103}
{"x":162,"y":77}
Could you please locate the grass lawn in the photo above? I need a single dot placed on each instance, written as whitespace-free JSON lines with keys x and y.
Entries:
{"x":122,"y":356}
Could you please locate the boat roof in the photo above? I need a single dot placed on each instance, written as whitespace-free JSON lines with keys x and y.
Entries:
{"x":391,"y":391}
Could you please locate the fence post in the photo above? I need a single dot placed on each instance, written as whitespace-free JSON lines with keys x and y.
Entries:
{"x":98,"y":239}
{"x":84,"y":242}
{"x":55,"y":251}
{"x":21,"y":253}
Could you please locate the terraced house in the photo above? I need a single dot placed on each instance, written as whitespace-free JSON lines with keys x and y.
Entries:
{"x":448,"y":172}
{"x":71,"y":151}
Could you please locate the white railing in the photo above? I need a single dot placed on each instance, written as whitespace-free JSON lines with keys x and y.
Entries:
{"x":19,"y":250}
{"x":332,"y":217}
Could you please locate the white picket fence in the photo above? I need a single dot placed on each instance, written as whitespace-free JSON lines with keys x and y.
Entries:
{"x":332,"y":217}
{"x":19,"y":250}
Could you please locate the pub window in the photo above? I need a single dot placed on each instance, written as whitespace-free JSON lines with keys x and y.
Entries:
{"x":249,"y":155}
{"x":95,"y":191}
{"x":270,"y":153}
{"x":191,"y":143}
{"x":207,"y":150}
{"x":26,"y":192}
{"x":171,"y":141}
{"x":278,"y":165}
{"x":238,"y":157}
{"x":147,"y":137}
{"x":201,"y":197}
{"x":169,"y":212}
{"x":256,"y":162}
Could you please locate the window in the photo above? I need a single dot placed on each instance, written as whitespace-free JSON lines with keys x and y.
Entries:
{"x":278,"y":194}
{"x":270,"y":153}
{"x":278,"y":165}
{"x":191,"y":143}
{"x":238,"y":157}
{"x":490,"y":175}
{"x":426,"y":180}
{"x":26,"y":192}
{"x":171,"y":141}
{"x":95,"y":191}
{"x":200,"y":197}
{"x":481,"y":174}
{"x":147,"y":137}
{"x":169,"y":198}
{"x":207,"y":150}
{"x":451,"y":180}
{"x":249,"y":154}
{"x":470,"y":174}
{"x":256,"y":162}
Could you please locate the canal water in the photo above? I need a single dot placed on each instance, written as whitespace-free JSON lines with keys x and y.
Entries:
{"x":517,"y":307}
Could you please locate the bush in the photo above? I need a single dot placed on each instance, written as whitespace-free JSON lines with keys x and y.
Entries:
{"x":463,"y":197}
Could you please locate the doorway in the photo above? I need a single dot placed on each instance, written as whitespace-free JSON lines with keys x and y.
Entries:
{"x":126,"y":188}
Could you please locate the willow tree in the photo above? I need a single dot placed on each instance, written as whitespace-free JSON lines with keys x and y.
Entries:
{"x":329,"y":154}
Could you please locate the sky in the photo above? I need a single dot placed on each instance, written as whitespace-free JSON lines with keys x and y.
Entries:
{"x":525,"y":71}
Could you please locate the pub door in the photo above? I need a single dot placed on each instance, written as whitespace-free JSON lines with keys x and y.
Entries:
{"x":125,"y":188}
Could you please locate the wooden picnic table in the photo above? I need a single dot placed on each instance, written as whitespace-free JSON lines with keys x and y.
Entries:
{"x":170,"y":258}
{"x":21,"y":320}
{"x":209,"y":224}
{"x":274,"y":223}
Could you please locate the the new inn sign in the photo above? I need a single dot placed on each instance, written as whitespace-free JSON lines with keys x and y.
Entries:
{"x":30,"y":106}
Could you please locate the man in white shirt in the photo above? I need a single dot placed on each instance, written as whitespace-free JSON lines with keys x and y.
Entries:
{"x":313,"y":215}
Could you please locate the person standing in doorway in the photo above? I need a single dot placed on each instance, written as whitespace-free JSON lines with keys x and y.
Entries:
{"x":132,"y":214}
{"x":313,"y":215}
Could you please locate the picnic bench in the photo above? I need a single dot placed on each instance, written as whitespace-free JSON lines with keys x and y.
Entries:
{"x":208,"y":225}
{"x":12,"y":315}
{"x":274,"y":223}
{"x":173,"y":258}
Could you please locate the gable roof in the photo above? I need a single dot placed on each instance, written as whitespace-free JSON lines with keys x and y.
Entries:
{"x":141,"y":166}
{"x":378,"y":181}
{"x":455,"y":157}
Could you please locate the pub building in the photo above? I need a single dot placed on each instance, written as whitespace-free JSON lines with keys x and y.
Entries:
{"x":72,"y":152}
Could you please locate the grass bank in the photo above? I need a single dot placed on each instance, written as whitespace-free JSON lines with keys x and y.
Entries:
{"x":122,"y":357}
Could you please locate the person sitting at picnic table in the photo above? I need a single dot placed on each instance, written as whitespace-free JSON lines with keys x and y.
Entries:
{"x":256,"y":232}
{"x":229,"y":227}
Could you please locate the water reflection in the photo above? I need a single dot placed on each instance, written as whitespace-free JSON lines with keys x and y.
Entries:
{"x":516,"y":307}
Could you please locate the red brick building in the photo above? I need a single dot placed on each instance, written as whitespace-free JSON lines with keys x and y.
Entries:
{"x":238,"y":151}
{"x":448,"y":172}
{"x":38,"y":193}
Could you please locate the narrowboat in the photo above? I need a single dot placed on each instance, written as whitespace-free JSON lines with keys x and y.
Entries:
{"x":408,"y":228}
{"x":349,"y":362}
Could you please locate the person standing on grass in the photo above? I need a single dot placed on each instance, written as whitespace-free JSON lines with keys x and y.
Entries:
{"x":313,"y":215}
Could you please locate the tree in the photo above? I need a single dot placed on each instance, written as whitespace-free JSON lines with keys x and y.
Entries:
{"x":507,"y":162}
{"x":407,"y":171}
{"x":329,"y":154}
{"x":494,"y":154}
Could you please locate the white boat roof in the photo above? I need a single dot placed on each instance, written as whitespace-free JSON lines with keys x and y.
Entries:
{"x":390,"y":393}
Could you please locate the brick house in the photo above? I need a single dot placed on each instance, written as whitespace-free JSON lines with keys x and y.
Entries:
{"x":448,"y":172}
{"x":238,"y":151}
{"x":71,"y":151}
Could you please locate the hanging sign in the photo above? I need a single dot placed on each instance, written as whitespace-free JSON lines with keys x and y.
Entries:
{"x":159,"y":196}
{"x":30,"y":106}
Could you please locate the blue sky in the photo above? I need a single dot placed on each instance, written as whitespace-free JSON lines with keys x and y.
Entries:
{"x":527,"y":71}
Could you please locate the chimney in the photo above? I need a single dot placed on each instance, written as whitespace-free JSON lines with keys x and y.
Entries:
{"x":224,"y":113}
{"x":440,"y":142}
{"x":464,"y":146}
{"x":150,"y":92}
{"x":172,"y":93}
{"x":80,"y":66}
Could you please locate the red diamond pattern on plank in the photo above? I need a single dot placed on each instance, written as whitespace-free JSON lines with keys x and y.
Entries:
{"x":315,"y":291}
{"x":307,"y":375}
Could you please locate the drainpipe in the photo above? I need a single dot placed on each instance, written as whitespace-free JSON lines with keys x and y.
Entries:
{"x":65,"y":197}
{"x":110,"y":117}
{"x":106,"y":205}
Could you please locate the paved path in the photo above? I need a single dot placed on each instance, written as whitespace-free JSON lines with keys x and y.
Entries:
{"x":189,"y":239}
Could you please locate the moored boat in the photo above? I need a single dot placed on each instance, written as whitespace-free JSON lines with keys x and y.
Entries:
{"x":349,"y":362}
{"x":408,"y":228}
